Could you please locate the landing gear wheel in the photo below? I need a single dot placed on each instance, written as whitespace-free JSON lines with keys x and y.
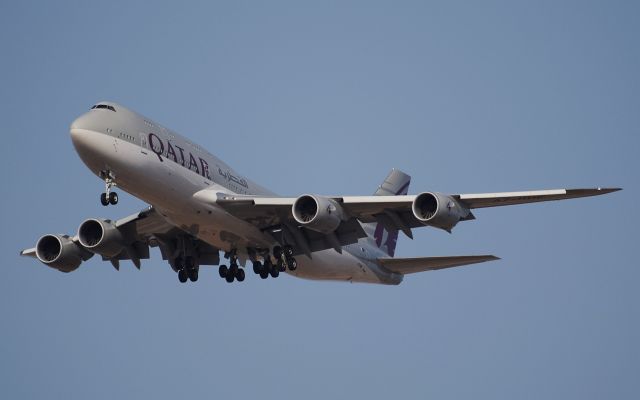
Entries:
{"x":193,"y":275}
{"x":229,"y":277}
{"x":275,"y":272}
{"x":277,"y":252}
{"x":104,"y":200}
{"x":182,"y":276}
{"x":240,"y":275}
{"x":264,"y":274}
{"x":223,"y":271}
{"x":288,"y":251}
{"x":113,"y":198}
{"x":257,"y":267}
{"x":293,"y":264}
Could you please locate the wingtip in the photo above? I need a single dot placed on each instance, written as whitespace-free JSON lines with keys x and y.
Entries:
{"x":608,"y":190}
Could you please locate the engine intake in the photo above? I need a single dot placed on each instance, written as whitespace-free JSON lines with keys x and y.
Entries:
{"x":317,"y":213}
{"x":60,"y":252}
{"x":438,"y":210}
{"x":101,"y":237}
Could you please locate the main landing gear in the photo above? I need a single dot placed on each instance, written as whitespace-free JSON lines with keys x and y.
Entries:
{"x":234,"y":271}
{"x":187,"y":269}
{"x":284,"y":260}
{"x":186,"y":262}
{"x":108,"y":197}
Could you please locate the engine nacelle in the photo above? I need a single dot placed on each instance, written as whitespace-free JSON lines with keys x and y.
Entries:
{"x":60,"y":252}
{"x":317,"y":213}
{"x":101,"y":237}
{"x":438,"y":210}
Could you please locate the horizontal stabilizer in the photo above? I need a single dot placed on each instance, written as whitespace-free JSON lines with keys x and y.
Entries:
{"x":421,"y":264}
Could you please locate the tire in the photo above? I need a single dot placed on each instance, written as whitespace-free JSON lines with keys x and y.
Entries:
{"x":193,"y":275}
{"x":264,"y":274}
{"x":240,"y":275}
{"x":293,"y":264}
{"x":277,"y":252}
{"x":257,"y":267}
{"x":275,"y":272}
{"x":182,"y":276}
{"x":104,"y":200}
{"x":223,"y":271}
{"x":113,"y":198}
{"x":229,"y":278}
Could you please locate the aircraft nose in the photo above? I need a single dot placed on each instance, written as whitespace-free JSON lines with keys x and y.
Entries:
{"x":82,"y":122}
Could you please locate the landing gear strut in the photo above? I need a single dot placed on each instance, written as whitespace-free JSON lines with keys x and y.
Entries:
{"x":234,"y":271}
{"x":108,"y":197}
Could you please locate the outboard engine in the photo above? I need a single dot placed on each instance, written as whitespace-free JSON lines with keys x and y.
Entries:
{"x":60,"y":252}
{"x":438,"y":210}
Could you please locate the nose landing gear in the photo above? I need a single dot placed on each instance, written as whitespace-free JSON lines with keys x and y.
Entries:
{"x":108,"y":197}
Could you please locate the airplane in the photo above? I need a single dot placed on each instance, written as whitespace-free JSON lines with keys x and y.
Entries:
{"x":200,"y":206}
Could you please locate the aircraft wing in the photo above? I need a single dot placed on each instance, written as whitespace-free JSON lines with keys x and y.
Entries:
{"x":139,"y":232}
{"x":484,"y":200}
{"x":275,"y":214}
{"x":412,"y":265}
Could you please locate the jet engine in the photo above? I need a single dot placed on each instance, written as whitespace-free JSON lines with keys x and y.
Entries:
{"x":101,"y":237}
{"x":60,"y":252}
{"x":317,"y":213}
{"x":438,"y":210}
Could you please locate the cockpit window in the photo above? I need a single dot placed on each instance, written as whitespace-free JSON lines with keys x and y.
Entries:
{"x":104,"y":106}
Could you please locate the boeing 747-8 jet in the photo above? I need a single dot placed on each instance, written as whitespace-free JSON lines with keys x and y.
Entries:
{"x":200,"y":206}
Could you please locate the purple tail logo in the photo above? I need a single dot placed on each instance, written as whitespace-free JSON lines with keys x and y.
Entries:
{"x":389,"y":238}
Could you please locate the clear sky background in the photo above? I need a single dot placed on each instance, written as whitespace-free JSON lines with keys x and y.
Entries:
{"x":326,"y":97}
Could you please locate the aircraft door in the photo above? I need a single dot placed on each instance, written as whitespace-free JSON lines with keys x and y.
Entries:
{"x":143,"y":143}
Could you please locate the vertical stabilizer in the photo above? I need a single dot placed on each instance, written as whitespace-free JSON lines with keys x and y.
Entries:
{"x":395,"y":184}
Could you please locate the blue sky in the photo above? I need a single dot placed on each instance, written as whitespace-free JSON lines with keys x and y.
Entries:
{"x":326,"y":97}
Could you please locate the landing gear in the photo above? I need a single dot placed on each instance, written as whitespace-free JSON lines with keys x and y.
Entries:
{"x":263,"y":269}
{"x":108,"y":197}
{"x":187,"y":268}
{"x":193,"y":275}
{"x":182,"y":276}
{"x":284,"y":258}
{"x":234,"y":271}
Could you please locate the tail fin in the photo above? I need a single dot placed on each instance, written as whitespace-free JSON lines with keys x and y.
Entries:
{"x":396,"y":183}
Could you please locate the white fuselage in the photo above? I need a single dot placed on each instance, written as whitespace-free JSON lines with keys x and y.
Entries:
{"x":166,"y":170}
